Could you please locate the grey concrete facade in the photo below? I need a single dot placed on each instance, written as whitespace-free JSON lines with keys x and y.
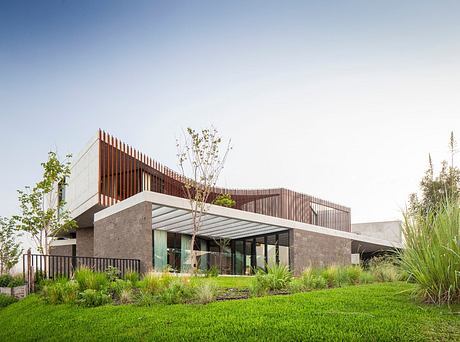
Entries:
{"x":386,"y":230}
{"x":308,"y":249}
{"x":85,"y":242}
{"x":61,"y":250}
{"x":126,"y":234}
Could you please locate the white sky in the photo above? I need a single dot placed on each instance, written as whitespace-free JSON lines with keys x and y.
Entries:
{"x":343,"y":102}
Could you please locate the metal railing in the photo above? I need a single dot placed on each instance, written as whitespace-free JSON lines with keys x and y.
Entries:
{"x":55,"y":266}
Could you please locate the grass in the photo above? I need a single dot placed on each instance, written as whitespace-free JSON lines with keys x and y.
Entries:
{"x":432,"y":254}
{"x":232,"y":282}
{"x":376,"y":312}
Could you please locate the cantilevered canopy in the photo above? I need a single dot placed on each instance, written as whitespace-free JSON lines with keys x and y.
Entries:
{"x":212,"y":225}
{"x":173,"y":214}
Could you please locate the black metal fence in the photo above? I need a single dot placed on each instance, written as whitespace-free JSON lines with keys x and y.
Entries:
{"x":54,"y":266}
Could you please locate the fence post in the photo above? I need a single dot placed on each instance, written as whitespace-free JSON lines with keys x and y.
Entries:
{"x":30,"y":272}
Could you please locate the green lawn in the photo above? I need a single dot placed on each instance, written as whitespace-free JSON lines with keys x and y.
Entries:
{"x":378,"y":312}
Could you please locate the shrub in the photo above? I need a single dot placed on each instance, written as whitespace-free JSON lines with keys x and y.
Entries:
{"x":61,"y":291}
{"x":335,"y":276}
{"x":17,"y":280}
{"x":257,"y":288}
{"x":177,"y":291}
{"x":132,"y":276}
{"x":296,"y":285}
{"x":432,"y":254}
{"x":119,"y":285}
{"x":213,"y":271}
{"x":353,"y":274}
{"x":145,"y":299}
{"x":6,"y":300}
{"x":5,"y":280}
{"x":126,"y":296}
{"x":278,"y":277}
{"x":205,"y":292}
{"x":92,"y":298}
{"x":384,"y":269}
{"x":88,"y":279}
{"x":112,"y":273}
{"x":150,"y":283}
{"x":366,"y":278}
{"x":312,"y":279}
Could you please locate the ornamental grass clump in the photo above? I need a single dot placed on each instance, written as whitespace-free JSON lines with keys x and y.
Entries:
{"x":312,"y":279}
{"x":431,"y":256}
{"x":335,"y":276}
{"x":205,"y":292}
{"x":88,"y":279}
{"x":384,"y":268}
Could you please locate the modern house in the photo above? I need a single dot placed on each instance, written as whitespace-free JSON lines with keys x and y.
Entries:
{"x":129,"y":206}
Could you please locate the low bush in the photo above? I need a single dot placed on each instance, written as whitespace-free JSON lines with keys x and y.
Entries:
{"x":126,"y":296}
{"x":6,"y":300}
{"x":213,"y":271}
{"x":275,"y":278}
{"x":296,"y":285}
{"x":335,"y":276}
{"x":119,"y":285}
{"x":312,"y":279}
{"x":132,"y":276}
{"x":151,"y":283}
{"x":384,"y":269}
{"x":61,"y":291}
{"x":5,"y":280}
{"x":88,"y":279}
{"x":353,"y":274}
{"x":177,"y":291}
{"x":257,"y":287}
{"x":92,"y":298}
{"x":205,"y":292}
{"x":112,"y":273}
{"x":366,"y":278}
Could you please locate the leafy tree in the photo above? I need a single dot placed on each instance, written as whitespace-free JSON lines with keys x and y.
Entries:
{"x":436,"y":189}
{"x":10,"y":250}
{"x":200,"y":161}
{"x":224,"y":200}
{"x":43,"y":212}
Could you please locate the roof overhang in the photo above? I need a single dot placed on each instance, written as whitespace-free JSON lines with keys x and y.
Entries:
{"x":173,"y":214}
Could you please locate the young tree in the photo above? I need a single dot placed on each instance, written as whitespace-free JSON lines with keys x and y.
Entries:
{"x":43,"y":212}
{"x":436,"y":189}
{"x":200,"y":161}
{"x":10,"y":249}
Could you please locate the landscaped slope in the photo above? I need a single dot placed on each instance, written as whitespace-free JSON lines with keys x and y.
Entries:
{"x":366,"y":313}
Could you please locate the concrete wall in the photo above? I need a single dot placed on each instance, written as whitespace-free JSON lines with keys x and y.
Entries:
{"x":85,"y":242}
{"x":388,"y":230}
{"x":61,"y":250}
{"x":82,"y":189}
{"x":126,"y":234}
{"x":317,"y":250}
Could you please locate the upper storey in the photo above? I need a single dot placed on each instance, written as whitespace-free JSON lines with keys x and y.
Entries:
{"x":109,"y":171}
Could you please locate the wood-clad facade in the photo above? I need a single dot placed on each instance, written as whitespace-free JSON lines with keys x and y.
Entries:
{"x":124,"y":172}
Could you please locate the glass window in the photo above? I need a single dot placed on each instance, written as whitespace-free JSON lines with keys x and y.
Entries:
{"x":284,"y":248}
{"x":260,"y":252}
{"x":239,"y":257}
{"x":248,"y":256}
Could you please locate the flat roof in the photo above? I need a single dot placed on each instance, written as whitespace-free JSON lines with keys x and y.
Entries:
{"x":173,"y":214}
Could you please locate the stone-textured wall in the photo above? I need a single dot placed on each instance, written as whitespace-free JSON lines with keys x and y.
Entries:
{"x":317,"y":250}
{"x":61,"y":250}
{"x":85,"y":242}
{"x":126,"y":234}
